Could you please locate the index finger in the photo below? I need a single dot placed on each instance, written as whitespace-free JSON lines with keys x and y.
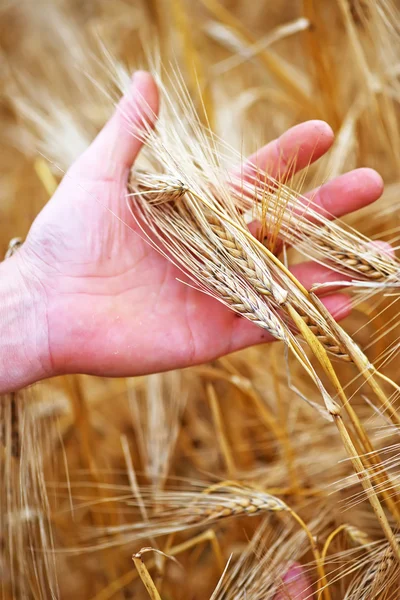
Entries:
{"x":297,"y":148}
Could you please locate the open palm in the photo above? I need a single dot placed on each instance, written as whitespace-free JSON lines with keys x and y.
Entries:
{"x":109,"y":303}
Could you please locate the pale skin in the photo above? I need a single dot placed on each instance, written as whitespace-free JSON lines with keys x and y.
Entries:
{"x":86,"y":294}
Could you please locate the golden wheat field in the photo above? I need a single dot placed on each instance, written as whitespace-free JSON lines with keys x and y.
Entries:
{"x":270,"y":473}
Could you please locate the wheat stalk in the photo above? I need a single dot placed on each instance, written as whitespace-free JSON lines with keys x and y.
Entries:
{"x":369,"y":262}
{"x":189,"y":220}
{"x":245,"y":260}
{"x":358,"y":259}
{"x":184,"y":510}
{"x":212,"y":271}
{"x":186,"y":234}
{"x":301,"y":224}
{"x":164,"y":190}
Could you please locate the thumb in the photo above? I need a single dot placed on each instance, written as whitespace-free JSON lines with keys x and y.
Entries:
{"x":117,"y":145}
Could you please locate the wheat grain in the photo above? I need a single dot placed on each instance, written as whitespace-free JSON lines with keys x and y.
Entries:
{"x":357,"y":258}
{"x":301,"y":224}
{"x":326,"y":337}
{"x":233,"y":502}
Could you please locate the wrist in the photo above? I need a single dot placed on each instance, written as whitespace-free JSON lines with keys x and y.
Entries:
{"x":24,"y":356}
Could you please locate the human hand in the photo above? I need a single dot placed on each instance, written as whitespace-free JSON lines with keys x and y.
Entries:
{"x":86,"y":294}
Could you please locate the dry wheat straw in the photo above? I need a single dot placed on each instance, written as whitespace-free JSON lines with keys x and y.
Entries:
{"x":186,"y":234}
{"x":176,"y":511}
{"x":192,"y":220}
{"x":145,"y":575}
{"x":297,"y":298}
{"x":184,"y":510}
{"x":171,"y":551}
{"x":192,"y":223}
{"x":156,"y":416}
